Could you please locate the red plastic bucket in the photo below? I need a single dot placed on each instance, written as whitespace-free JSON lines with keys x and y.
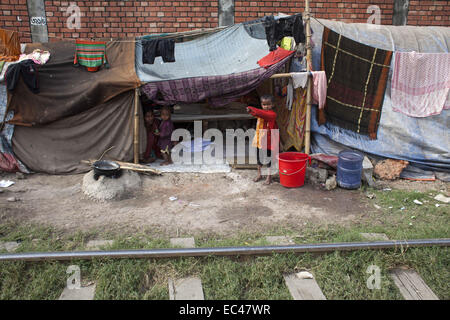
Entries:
{"x":292,"y":168}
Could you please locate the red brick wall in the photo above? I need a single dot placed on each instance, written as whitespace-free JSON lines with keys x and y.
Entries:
{"x":429,"y":13}
{"x":14,"y":16}
{"x":113,"y":19}
{"x":342,"y":10}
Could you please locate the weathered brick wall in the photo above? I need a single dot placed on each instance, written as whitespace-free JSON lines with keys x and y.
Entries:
{"x":429,"y":13}
{"x":113,"y":19}
{"x":14,"y":16}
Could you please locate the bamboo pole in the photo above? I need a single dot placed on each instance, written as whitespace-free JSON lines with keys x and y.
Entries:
{"x":128,"y":166}
{"x":136,"y":126}
{"x":280,"y":75}
{"x":308,"y":90}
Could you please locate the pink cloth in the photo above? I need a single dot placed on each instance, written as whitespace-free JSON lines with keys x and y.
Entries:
{"x":319,"y":92}
{"x":420,"y":83}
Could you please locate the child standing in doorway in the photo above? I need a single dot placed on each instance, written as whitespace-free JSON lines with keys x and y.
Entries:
{"x":165,"y":134}
{"x":152,"y":127}
{"x":265,"y":140}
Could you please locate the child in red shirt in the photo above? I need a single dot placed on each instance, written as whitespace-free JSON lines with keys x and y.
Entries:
{"x":265,"y":139}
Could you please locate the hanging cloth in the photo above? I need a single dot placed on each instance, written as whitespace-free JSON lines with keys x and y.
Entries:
{"x":291,"y":26}
{"x":9,"y":45}
{"x":28,"y":70}
{"x":356,"y":76}
{"x":289,"y":94}
{"x":299,"y":79}
{"x":90,"y":54}
{"x":319,"y":92}
{"x":164,"y":48}
{"x":288,"y":43}
{"x":420,"y":83}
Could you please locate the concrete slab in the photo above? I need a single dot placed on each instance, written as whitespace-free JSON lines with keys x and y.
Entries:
{"x":186,"y":289}
{"x":97,"y":244}
{"x":183,"y":242}
{"x":280,"y":240}
{"x":9,"y":246}
{"x":303,"y":289}
{"x":374,"y":236}
{"x":367,"y":172}
{"x":84,"y":293}
{"x":411,"y":285}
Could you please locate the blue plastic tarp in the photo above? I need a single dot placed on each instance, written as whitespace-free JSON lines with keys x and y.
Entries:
{"x":228,"y":51}
{"x":424,"y":142}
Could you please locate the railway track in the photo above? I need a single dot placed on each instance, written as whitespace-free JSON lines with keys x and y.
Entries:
{"x":302,"y":286}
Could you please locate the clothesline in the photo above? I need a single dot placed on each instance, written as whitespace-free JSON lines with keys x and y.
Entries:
{"x":173,"y":35}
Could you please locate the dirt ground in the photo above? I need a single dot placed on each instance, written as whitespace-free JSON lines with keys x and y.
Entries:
{"x":225,"y":203}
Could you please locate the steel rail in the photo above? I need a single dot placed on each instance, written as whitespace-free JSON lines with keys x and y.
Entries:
{"x":224,"y":251}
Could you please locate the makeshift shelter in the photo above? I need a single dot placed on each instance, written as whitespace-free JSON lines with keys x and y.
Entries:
{"x":78,"y":114}
{"x":424,"y":142}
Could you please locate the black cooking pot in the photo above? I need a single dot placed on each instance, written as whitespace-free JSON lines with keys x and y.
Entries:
{"x":106,"y":168}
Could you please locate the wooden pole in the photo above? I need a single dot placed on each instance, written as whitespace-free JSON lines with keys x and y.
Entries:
{"x":136,"y":125}
{"x":308,"y":89}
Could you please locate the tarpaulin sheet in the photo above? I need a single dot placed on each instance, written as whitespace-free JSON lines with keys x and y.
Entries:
{"x":424,"y":142}
{"x":66,"y":90}
{"x":228,"y":51}
{"x":219,"y":90}
{"x":58,"y":148}
{"x":8,"y":161}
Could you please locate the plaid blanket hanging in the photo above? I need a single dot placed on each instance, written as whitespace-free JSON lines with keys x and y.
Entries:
{"x":91,"y":54}
{"x":357,"y":76}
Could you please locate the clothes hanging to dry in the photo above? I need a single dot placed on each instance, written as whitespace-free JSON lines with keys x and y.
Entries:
{"x":276,"y":29}
{"x":164,"y":48}
{"x":9,"y":45}
{"x":356,"y":77}
{"x":27,"y":70}
{"x":274,"y":57}
{"x":420,"y":83}
{"x":319,"y":92}
{"x":292,"y":122}
{"x":90,"y":54}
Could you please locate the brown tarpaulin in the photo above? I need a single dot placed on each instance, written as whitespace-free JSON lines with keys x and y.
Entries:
{"x":9,"y":45}
{"x":59,"y":147}
{"x":66,"y":90}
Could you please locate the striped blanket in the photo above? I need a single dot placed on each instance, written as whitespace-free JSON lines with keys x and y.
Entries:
{"x":357,"y":76}
{"x":91,"y":54}
{"x":420,"y":83}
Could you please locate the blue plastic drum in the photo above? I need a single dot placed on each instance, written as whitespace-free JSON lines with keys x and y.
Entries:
{"x":349,"y":169}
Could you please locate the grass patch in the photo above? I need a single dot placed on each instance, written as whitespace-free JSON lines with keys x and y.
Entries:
{"x":340,"y":275}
